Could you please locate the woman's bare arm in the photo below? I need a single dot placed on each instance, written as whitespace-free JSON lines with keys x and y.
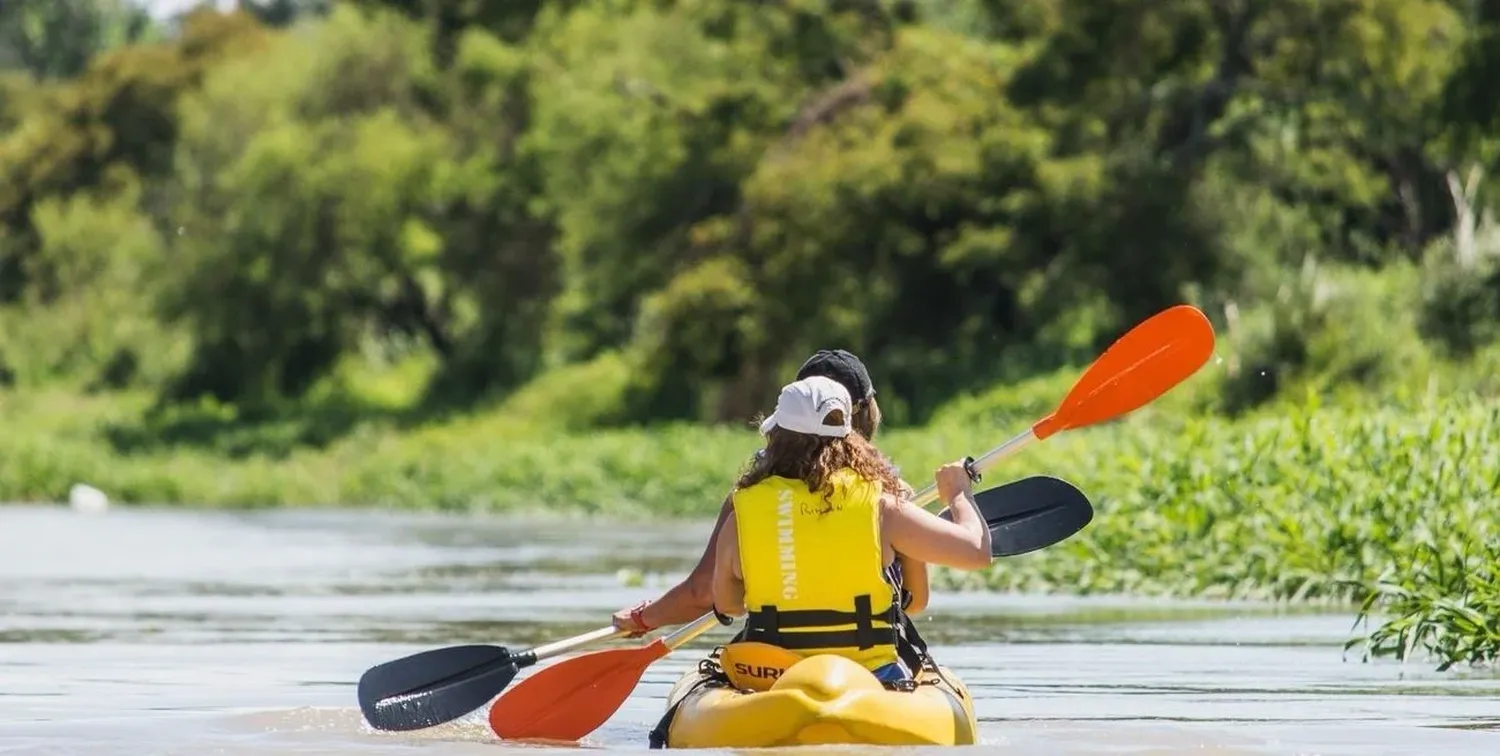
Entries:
{"x":963,"y":543}
{"x":690,"y":598}
{"x":729,"y":583}
{"x":913,"y":571}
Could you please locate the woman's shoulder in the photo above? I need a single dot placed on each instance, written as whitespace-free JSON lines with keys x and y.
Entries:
{"x":892,"y":501}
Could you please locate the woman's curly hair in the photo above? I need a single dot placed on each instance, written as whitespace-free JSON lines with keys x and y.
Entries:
{"x":812,"y":459}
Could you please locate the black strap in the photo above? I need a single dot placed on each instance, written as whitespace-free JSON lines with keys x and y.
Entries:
{"x":778,"y":628}
{"x":801,"y":641}
{"x":657,"y":738}
{"x":864,"y":623}
{"x":709,"y":674}
{"x":769,"y":616}
{"x":766,"y":624}
{"x":910,"y":646}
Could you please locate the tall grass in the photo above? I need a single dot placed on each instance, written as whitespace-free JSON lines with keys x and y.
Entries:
{"x":1441,"y":599}
{"x":1313,"y":505}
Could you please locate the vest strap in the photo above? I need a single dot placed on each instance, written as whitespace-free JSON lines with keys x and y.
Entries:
{"x":802,"y":641}
{"x":769,"y":625}
{"x":910,"y":645}
{"x":864,"y":623}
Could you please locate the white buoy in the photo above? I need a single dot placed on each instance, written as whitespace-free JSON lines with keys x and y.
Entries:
{"x":86,"y":498}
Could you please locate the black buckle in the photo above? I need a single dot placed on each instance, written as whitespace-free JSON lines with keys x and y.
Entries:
{"x":969,"y":468}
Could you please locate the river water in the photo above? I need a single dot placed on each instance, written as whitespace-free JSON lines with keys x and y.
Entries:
{"x":177,"y":632}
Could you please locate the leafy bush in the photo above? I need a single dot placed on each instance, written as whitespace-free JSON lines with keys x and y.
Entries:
{"x":92,"y":325}
{"x":1333,"y":505}
{"x":1329,"y":330}
{"x":1461,"y":307}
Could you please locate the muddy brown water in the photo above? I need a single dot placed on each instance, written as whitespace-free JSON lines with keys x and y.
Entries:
{"x":185,"y":632}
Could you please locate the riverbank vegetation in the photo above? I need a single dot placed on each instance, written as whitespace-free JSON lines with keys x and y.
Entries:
{"x":1385,"y":505}
{"x":517,"y":255}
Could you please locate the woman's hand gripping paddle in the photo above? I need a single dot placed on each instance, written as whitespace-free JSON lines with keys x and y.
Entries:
{"x":570,"y":699}
{"x":441,"y":685}
{"x":1148,"y":361}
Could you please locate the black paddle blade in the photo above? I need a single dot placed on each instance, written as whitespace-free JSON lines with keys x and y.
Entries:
{"x":1032,"y":513}
{"x":433,"y":687}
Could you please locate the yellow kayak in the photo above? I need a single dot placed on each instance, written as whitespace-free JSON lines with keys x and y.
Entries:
{"x":820,"y":700}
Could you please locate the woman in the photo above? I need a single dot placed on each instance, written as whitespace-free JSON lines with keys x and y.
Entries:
{"x":814,"y":528}
{"x":693,"y":596}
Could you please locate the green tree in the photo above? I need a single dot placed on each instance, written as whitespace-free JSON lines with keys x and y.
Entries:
{"x":897,"y":217}
{"x":120,"y":112}
{"x":1330,"y":104}
{"x":694,"y":193}
{"x":648,"y":118}
{"x":56,"y":39}
{"x":328,"y":206}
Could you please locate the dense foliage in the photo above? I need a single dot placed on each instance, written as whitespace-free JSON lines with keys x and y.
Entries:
{"x":284,"y":254}
{"x":243,"y":205}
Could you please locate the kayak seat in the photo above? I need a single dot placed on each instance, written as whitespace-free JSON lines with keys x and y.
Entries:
{"x":756,"y":695}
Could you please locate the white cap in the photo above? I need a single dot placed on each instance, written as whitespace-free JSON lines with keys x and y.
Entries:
{"x":804,"y":404}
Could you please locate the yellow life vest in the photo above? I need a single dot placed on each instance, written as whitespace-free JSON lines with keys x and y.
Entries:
{"x":814,"y":578}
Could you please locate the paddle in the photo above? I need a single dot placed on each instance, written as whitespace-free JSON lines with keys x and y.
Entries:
{"x":572,"y":698}
{"x":1148,"y":361}
{"x":433,"y":687}
{"x":1031,"y":513}
{"x":441,"y":685}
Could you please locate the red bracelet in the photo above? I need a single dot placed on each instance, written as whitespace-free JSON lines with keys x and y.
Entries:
{"x":635,"y":616}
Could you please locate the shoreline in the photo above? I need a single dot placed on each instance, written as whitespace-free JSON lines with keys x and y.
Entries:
{"x":1330,"y":506}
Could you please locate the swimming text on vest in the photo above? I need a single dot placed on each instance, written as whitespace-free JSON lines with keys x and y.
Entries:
{"x":788,"y":556}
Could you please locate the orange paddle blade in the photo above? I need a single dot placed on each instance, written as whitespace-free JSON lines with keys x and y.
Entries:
{"x":572,"y":698}
{"x":1142,"y":365}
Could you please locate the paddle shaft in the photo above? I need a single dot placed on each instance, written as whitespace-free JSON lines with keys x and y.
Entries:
{"x":677,"y":638}
{"x":532,"y":656}
{"x":519,"y":660}
{"x":682,"y":635}
{"x":1145,"y":347}
{"x":977,"y":467}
